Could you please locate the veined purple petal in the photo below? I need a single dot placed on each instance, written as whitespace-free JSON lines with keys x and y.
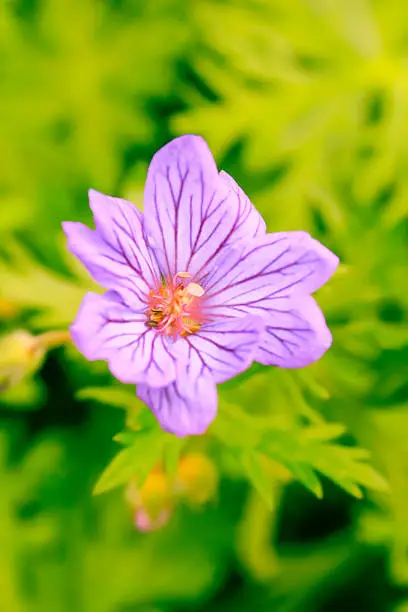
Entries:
{"x":116,"y":253}
{"x":115,"y":218}
{"x":271,"y":268}
{"x":251,"y":223}
{"x":106,"y":329}
{"x":296,"y":335}
{"x":224,"y":348}
{"x":191,"y":211}
{"x":185,"y":407}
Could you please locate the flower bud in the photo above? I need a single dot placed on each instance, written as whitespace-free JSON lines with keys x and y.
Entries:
{"x":196,"y":482}
{"x":144,"y":522}
{"x":197,"y":478}
{"x":20,"y":355}
{"x":7,"y":309}
{"x":152,"y":503}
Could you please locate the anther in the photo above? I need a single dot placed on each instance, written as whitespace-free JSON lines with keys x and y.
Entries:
{"x":195,"y":290}
{"x":184,"y":274}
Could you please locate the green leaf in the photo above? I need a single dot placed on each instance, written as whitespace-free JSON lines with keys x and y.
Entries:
{"x":325,"y":432}
{"x":258,"y":475}
{"x":29,"y":284}
{"x":171,"y":454}
{"x":254,"y":370}
{"x":304,"y":453}
{"x":119,"y":397}
{"x":135,"y":461}
{"x":305,"y":474}
{"x":303,"y":450}
{"x":234,"y":427}
{"x":127,"y":437}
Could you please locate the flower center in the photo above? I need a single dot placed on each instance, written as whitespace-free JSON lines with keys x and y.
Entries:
{"x":174,"y":308}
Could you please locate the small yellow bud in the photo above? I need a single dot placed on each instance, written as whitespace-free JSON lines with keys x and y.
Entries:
{"x":197,"y":478}
{"x":152,"y":503}
{"x":7,"y":309}
{"x":20,"y":355}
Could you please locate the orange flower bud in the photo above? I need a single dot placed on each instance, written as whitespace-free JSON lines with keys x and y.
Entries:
{"x":152,"y":503}
{"x":197,"y":478}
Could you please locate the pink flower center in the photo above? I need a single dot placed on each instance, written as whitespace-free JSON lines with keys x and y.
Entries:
{"x":174,"y":307}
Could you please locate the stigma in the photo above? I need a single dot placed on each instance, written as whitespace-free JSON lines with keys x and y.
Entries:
{"x":174,"y":309}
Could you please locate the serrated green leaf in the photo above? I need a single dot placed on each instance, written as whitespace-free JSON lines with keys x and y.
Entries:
{"x":140,"y":417}
{"x":54,"y":297}
{"x":258,"y":475}
{"x":304,"y":450}
{"x":367,"y":476}
{"x":235,"y":427}
{"x":135,"y":461}
{"x":304,"y":454}
{"x":171,"y":454}
{"x":126,"y":438}
{"x":350,"y":487}
{"x":305,"y":474}
{"x":118,"y":397}
{"x":254,"y":370}
{"x":325,"y":431}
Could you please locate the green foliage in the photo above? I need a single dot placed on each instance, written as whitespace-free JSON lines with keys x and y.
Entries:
{"x":172,"y":452}
{"x":53,"y":298}
{"x":118,"y":396}
{"x":51,"y":527}
{"x":301,"y":449}
{"x":258,"y":475}
{"x":305,"y":103}
{"x":137,"y":460}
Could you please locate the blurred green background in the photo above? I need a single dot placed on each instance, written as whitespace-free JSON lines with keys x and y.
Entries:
{"x":305,"y":103}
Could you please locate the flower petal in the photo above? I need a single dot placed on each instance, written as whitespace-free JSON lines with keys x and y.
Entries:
{"x":191,"y":211}
{"x":271,"y":268}
{"x":224,"y":348}
{"x":116,"y":253}
{"x":106,"y":329}
{"x":115,"y":218}
{"x":296,"y":335}
{"x":215,"y":354}
{"x":251,"y":223}
{"x":186,"y":407}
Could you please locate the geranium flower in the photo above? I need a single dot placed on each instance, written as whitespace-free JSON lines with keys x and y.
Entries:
{"x":196,"y":288}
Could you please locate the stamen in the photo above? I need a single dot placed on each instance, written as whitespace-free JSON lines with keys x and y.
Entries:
{"x":174,"y":309}
{"x":195,"y":290}
{"x":183,"y":274}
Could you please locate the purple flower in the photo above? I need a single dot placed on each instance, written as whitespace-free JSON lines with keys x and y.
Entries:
{"x":196,"y":288}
